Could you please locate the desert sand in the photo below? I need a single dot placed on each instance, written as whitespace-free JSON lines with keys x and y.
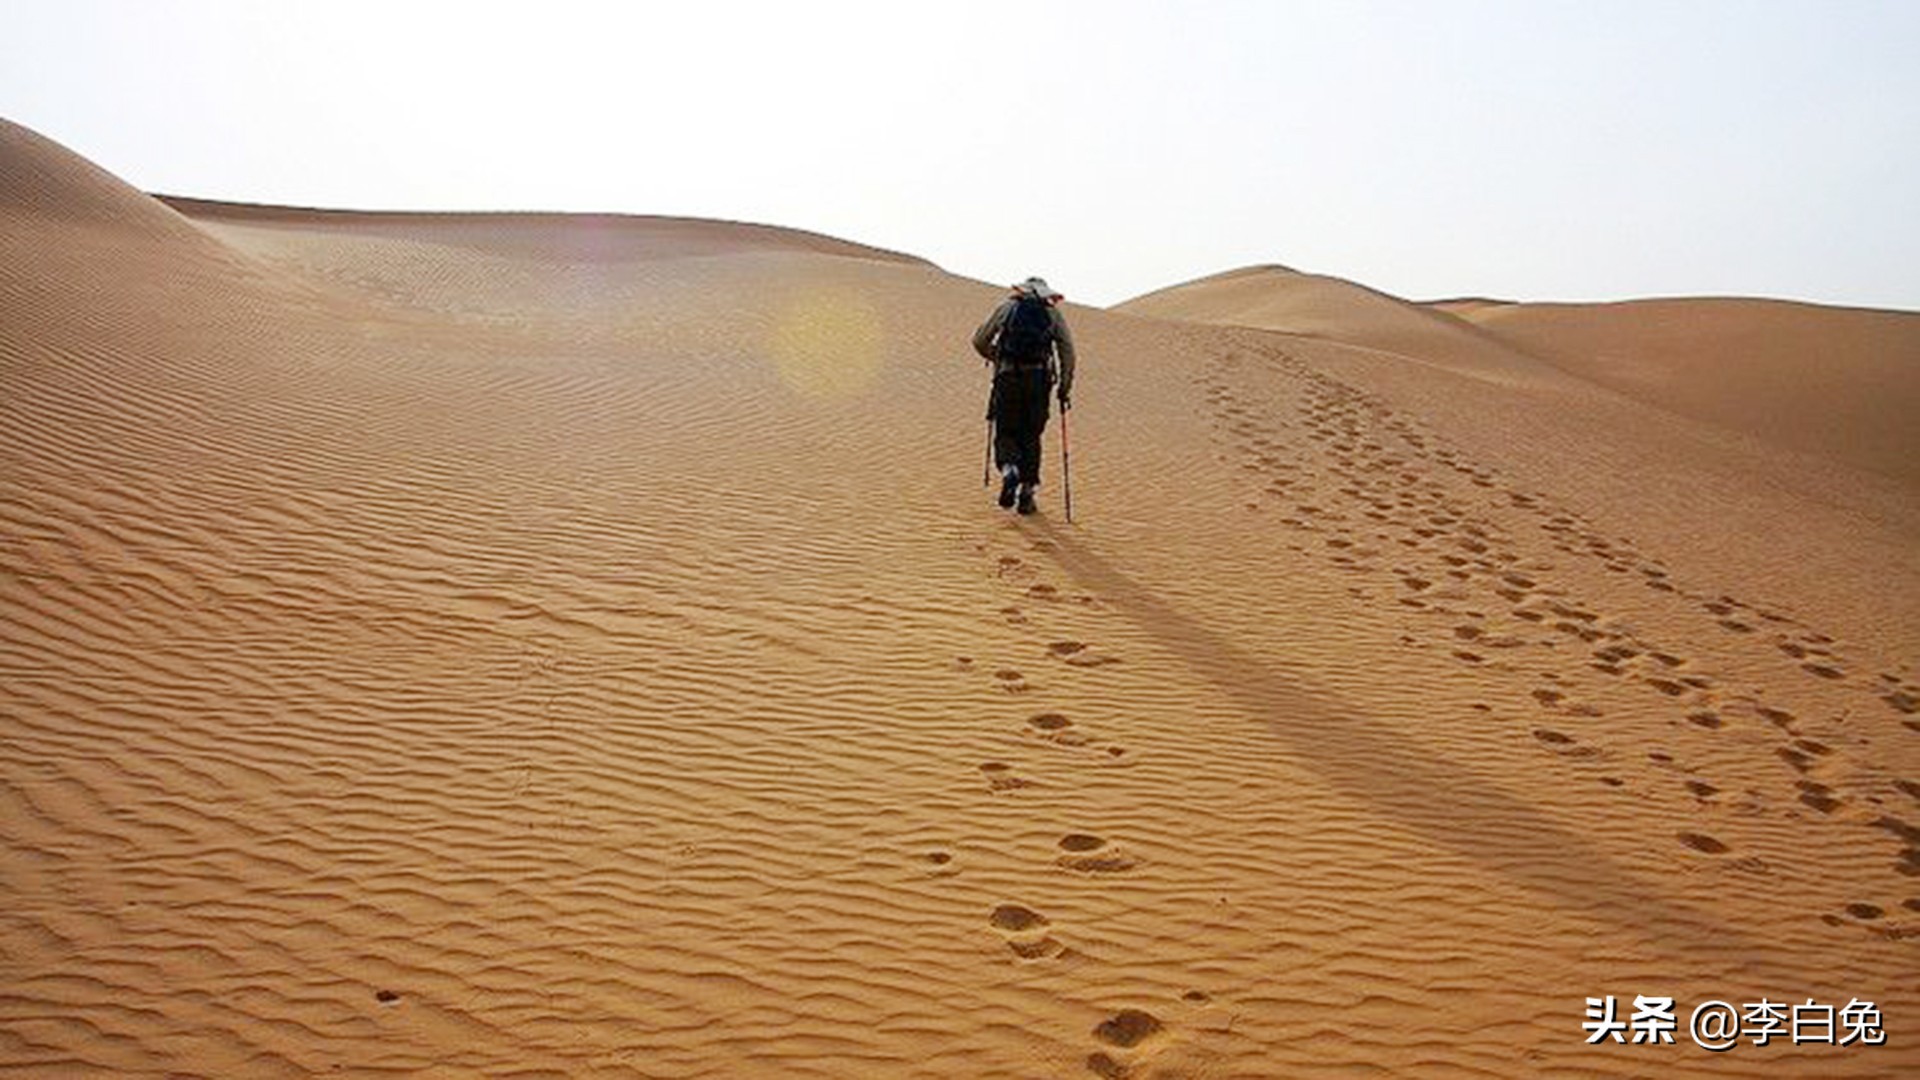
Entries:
{"x":538,"y":645}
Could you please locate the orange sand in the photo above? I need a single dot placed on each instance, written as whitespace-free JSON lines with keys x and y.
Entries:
{"x":527,"y":645}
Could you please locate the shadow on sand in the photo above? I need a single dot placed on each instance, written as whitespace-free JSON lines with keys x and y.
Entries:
{"x":1445,"y":803}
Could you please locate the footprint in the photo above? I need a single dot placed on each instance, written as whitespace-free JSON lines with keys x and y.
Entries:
{"x":1066,"y":648}
{"x":1801,"y":753}
{"x":1584,"y":633}
{"x":1818,"y":749}
{"x":1026,"y":931}
{"x":1128,"y":1028}
{"x":1817,"y":795}
{"x":1796,"y":758}
{"x":386,"y":997}
{"x":1909,"y":863}
{"x":1000,"y":776}
{"x":1096,"y":858}
{"x":1056,"y":728}
{"x":1040,"y":948}
{"x":1565,"y":745}
{"x":1703,"y":843}
{"x":1017,"y":917}
{"x":1572,"y":612}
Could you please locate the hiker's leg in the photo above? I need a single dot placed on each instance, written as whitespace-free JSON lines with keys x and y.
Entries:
{"x":1007,"y":421}
{"x":1035,"y":412}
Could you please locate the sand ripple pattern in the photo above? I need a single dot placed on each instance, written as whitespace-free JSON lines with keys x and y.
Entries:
{"x":456,"y":647}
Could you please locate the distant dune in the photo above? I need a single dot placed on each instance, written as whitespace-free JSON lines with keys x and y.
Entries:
{"x":489,"y":645}
{"x":1313,"y":305}
{"x":550,"y":237}
{"x":1838,"y":381}
{"x":1841,"y":382}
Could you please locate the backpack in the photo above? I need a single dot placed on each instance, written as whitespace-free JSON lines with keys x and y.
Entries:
{"x":1027,"y":336}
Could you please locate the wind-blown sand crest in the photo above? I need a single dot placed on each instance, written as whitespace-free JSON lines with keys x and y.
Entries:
{"x":535,"y":645}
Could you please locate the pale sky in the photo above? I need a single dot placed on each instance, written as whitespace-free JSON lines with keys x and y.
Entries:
{"x":1526,"y":149}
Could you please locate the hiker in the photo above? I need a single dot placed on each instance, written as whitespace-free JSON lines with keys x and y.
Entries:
{"x":1021,"y":339}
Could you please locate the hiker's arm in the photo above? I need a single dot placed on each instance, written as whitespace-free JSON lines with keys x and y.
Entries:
{"x":983,"y":337}
{"x":1063,"y":345}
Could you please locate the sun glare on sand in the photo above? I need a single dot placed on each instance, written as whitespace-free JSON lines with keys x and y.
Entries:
{"x":825,"y":343}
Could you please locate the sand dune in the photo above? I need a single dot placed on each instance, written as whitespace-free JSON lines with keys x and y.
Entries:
{"x":548,"y":646}
{"x":1843,"y":382}
{"x":1838,"y":382}
{"x":570,"y":238}
{"x":1334,"y":309}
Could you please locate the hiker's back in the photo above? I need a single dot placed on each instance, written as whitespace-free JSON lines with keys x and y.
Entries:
{"x":1027,"y":337}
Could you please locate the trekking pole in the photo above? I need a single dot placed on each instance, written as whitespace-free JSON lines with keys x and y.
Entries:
{"x":1066,"y":464}
{"x":986,"y":463}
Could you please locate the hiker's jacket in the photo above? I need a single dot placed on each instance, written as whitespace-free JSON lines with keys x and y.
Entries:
{"x":987,"y":338}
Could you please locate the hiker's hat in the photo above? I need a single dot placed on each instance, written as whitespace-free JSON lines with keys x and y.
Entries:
{"x":1038,"y":287}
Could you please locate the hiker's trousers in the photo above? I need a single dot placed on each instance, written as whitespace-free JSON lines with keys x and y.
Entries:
{"x":1019,"y":411}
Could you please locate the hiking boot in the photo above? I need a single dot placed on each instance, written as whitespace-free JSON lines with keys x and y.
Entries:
{"x":1026,"y":498}
{"x":1009,"y":483}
